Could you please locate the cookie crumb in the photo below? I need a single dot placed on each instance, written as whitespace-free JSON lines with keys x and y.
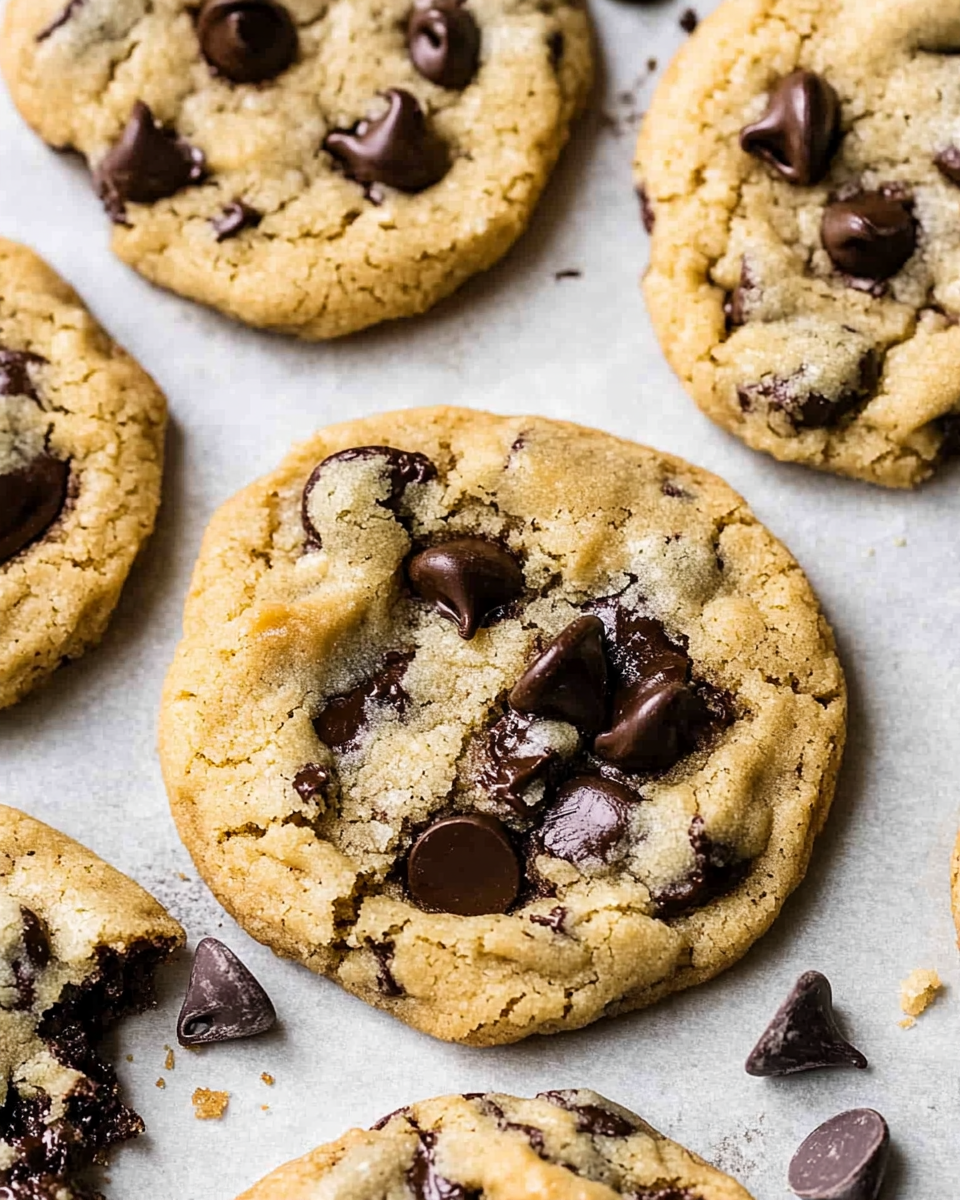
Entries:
{"x":208,"y":1105}
{"x":161,"y":1082}
{"x":689,"y":20}
{"x":168,"y":1062}
{"x":129,"y":1058}
{"x":918,"y":991}
{"x":907,"y":1023}
{"x":264,"y":1107}
{"x":268,"y":1079}
{"x":185,"y":878}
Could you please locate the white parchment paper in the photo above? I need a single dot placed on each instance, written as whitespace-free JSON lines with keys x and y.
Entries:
{"x":80,"y":753}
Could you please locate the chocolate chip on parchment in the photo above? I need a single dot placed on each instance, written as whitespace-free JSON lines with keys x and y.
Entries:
{"x":247,"y":41}
{"x":467,"y":579}
{"x":804,"y":1034}
{"x":844,"y":1159}
{"x":399,"y":148}
{"x":444,"y":42}
{"x":568,"y":682}
{"x":798,"y":133}
{"x":464,"y":865}
{"x":870,"y":235}
{"x":31,"y":499}
{"x":223,"y":1001}
{"x":233,"y":219}
{"x":588,"y":821}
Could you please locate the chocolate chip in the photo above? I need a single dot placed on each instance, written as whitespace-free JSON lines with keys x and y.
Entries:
{"x":345,"y":717}
{"x":223,"y":1000}
{"x":248,"y":41}
{"x":510,"y":766}
{"x":72,"y":8}
{"x":425,"y":1180}
{"x":467,"y":579}
{"x":311,"y":781}
{"x":647,"y":214}
{"x":554,"y":919}
{"x":811,"y":409}
{"x":653,"y":726}
{"x":588,"y":821}
{"x":798,"y":133}
{"x":844,"y":1159}
{"x":737,"y":302}
{"x":444,"y":42}
{"x":948,"y":164}
{"x":464,"y":865}
{"x":15,"y":377}
{"x":689,"y":20}
{"x":870,"y":236}
{"x":384,"y":1121}
{"x":148,"y":163}
{"x":36,"y":939}
{"x":398,"y":149}
{"x":31,"y":499}
{"x":383,"y":952}
{"x":234,"y":218}
{"x":591,"y":1118}
{"x":568,"y":682}
{"x":716,"y":872}
{"x":804,"y":1035}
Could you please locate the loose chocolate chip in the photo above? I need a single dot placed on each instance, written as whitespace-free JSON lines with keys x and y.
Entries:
{"x":510,"y":767}
{"x":398,"y":149}
{"x":15,"y":373}
{"x":654,"y":725}
{"x":248,"y":41}
{"x":591,"y":1118}
{"x":844,"y":1159}
{"x":689,"y":20}
{"x":444,"y":42}
{"x":568,"y":682}
{"x":804,"y":1035}
{"x":798,"y":133}
{"x":223,"y":1000}
{"x":31,"y":499}
{"x":588,"y":821}
{"x":148,"y":163}
{"x":234,"y":218}
{"x":464,"y":865}
{"x":71,"y":9}
{"x":554,"y":919}
{"x":425,"y":1180}
{"x":311,"y":781}
{"x":870,"y":236}
{"x":948,"y":164}
{"x":345,"y":717}
{"x":467,"y":579}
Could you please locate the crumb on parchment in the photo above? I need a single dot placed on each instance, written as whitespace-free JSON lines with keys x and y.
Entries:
{"x":161,"y":1082}
{"x":208,"y":1105}
{"x":268,"y":1079}
{"x":168,"y":1062}
{"x":917,"y":992}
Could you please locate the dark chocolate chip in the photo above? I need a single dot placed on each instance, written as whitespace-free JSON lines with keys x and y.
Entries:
{"x":464,"y":865}
{"x":689,"y":20}
{"x":248,"y":41}
{"x":798,"y":133}
{"x":653,"y":726}
{"x":311,"y":781}
{"x":638,"y":646}
{"x":398,"y":149}
{"x":510,"y":767}
{"x":15,"y":377}
{"x":31,"y":499}
{"x":870,"y":236}
{"x":588,"y":821}
{"x":736,"y":306}
{"x":813,"y":410}
{"x":223,"y":1001}
{"x":568,"y":682}
{"x":148,"y":163}
{"x":425,"y":1180}
{"x":383,"y":952}
{"x":345,"y":717}
{"x":557,"y":46}
{"x":554,"y":919}
{"x":444,"y":42}
{"x":36,"y":939}
{"x":948,"y":164}
{"x":717,"y":870}
{"x":235,"y":217}
{"x":58,"y":22}
{"x":844,"y":1159}
{"x":591,"y":1118}
{"x":804,"y":1035}
{"x":467,"y":579}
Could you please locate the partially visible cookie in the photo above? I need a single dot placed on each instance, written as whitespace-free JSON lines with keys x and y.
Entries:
{"x":800,"y":173}
{"x":570,"y":1145}
{"x":504,"y":724}
{"x":81,"y":455}
{"x":79,"y":944}
{"x":310,"y":166}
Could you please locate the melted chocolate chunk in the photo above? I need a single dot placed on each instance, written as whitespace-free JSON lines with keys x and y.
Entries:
{"x":654,"y":724}
{"x":467,"y":579}
{"x":425,"y":1180}
{"x":224,"y":1001}
{"x":15,"y":377}
{"x":717,"y":871}
{"x":588,"y":822}
{"x":510,"y":768}
{"x":568,"y":682}
{"x":798,"y":133}
{"x":71,"y":9}
{"x":591,"y":1118}
{"x":444,"y":42}
{"x":248,"y":41}
{"x":311,"y":781}
{"x":36,"y":939}
{"x":554,"y":919}
{"x":31,"y":499}
{"x":870,"y":235}
{"x":234,"y":218}
{"x":948,"y":164}
{"x":804,"y":1034}
{"x":148,"y":163}
{"x":464,"y":865}
{"x":813,"y":410}
{"x":533,"y":1135}
{"x":735,"y":308}
{"x":383,"y":952}
{"x":345,"y":717}
{"x":844,"y":1159}
{"x":398,"y":149}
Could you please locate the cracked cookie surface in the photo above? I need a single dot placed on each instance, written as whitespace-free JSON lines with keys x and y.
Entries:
{"x":796,"y":169}
{"x":79,"y":943}
{"x":324,"y":166}
{"x":81,"y":455}
{"x":569,"y":1145}
{"x":502,"y":723}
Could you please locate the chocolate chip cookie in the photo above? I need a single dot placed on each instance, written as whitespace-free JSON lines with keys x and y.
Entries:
{"x":309,"y":166}
{"x":502,"y":723}
{"x":81,"y":450}
{"x":801,"y":180}
{"x":79,"y":944}
{"x":566,"y":1145}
